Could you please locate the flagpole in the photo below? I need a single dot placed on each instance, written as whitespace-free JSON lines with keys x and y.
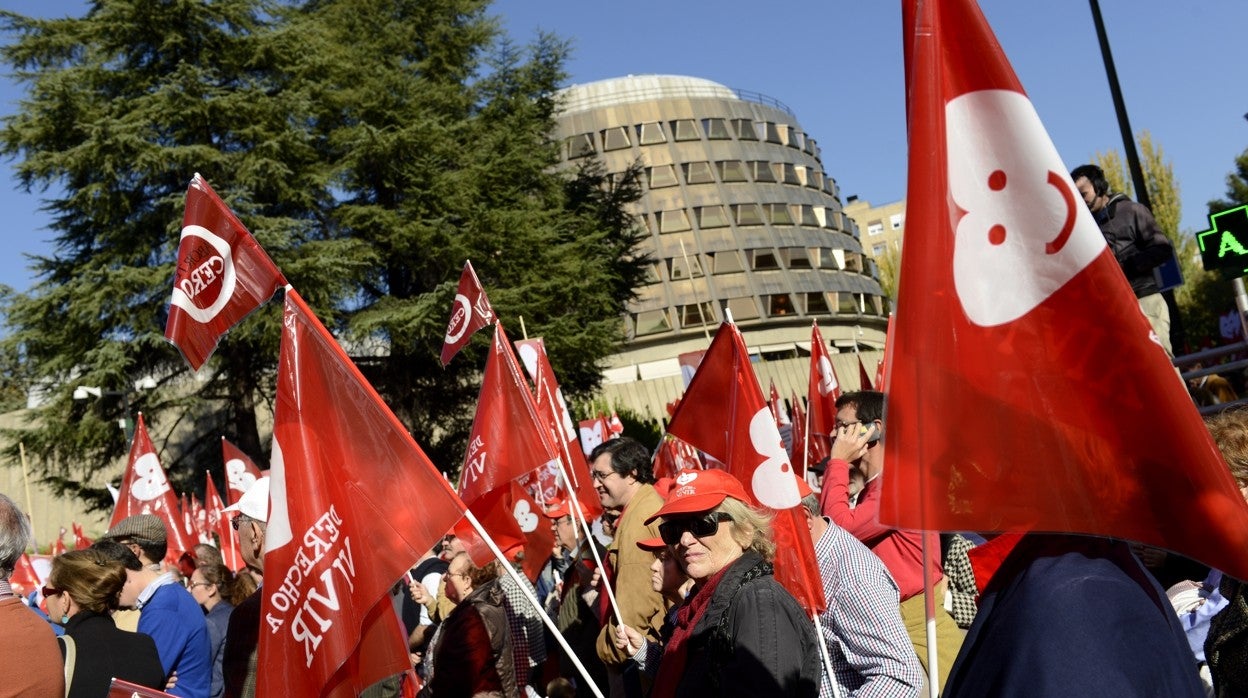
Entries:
{"x":523,"y":332}
{"x":693,"y":288}
{"x":528,"y":595}
{"x":929,"y":611}
{"x":30,"y":509}
{"x":827,"y":658}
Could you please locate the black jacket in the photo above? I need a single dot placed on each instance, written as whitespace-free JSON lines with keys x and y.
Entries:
{"x":1136,"y":241}
{"x":753,"y":639}
{"x":103,"y":652}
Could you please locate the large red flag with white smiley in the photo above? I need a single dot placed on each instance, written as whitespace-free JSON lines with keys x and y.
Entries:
{"x":1026,"y":391}
{"x":723,"y":414}
{"x":146,"y":490}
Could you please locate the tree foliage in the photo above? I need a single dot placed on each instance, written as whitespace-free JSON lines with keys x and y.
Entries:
{"x":371,"y":146}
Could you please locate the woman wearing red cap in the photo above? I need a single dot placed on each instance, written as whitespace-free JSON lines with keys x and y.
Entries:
{"x":739,"y":633}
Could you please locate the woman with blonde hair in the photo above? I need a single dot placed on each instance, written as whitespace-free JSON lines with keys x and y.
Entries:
{"x":83,"y":588}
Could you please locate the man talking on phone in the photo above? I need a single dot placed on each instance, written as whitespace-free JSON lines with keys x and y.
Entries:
{"x":859,"y":445}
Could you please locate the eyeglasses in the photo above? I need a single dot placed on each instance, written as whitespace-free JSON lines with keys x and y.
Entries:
{"x":49,"y":592}
{"x":845,"y":425}
{"x":192,"y":585}
{"x":600,"y":476}
{"x":700,"y":526}
{"x":236,"y":521}
{"x":462,"y":575}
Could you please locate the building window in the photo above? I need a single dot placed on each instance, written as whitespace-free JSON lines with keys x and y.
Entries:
{"x":743,"y":308}
{"x":696,"y":315}
{"x":879,"y":249}
{"x":761,"y":171}
{"x":744,"y":129}
{"x":816,"y":304}
{"x":652,"y":322}
{"x":785,"y":172}
{"x":684,"y":130}
{"x":615,"y":138}
{"x":747,"y":214}
{"x":711,"y":217}
{"x":814,"y":178}
{"x":778,"y":214}
{"x":847,"y":303}
{"x":727,"y":262}
{"x":698,"y":173}
{"x":650,"y":133}
{"x":731,"y":171}
{"x":875,"y":228}
{"x":779,"y":305}
{"x":793,"y":137}
{"x":896,"y":220}
{"x":771,"y":133}
{"x":810,"y":147}
{"x":661,"y":176}
{"x":673,"y":221}
{"x":580,"y":145}
{"x":807,"y":215}
{"x":716,"y":129}
{"x":684,"y":267}
{"x":795,"y":257}
{"x":652,"y":273}
{"x":763,"y":260}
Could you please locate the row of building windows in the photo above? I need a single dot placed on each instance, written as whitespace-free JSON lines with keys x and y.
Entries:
{"x":695,"y":315}
{"x":678,"y":220}
{"x":763,"y":259}
{"x":739,"y":171}
{"x":895,"y":222}
{"x":678,"y":130}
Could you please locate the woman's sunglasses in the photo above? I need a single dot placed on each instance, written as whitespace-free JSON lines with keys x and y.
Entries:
{"x":700,"y":526}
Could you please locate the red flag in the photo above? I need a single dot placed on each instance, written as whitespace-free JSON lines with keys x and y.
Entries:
{"x":507,"y":442}
{"x":778,"y":410}
{"x":240,"y":472}
{"x":58,"y":546}
{"x":514,"y":520}
{"x":1040,"y":403}
{"x":24,"y":579}
{"x":823,"y":391}
{"x":199,"y":517}
{"x":355,"y":502}
{"x":220,"y":525}
{"x":614,"y":426}
{"x":81,"y":542}
{"x":881,"y":375}
{"x":222,"y":275}
{"x":802,"y":453}
{"x":470,"y":313}
{"x":553,"y":412}
{"x":593,"y":432}
{"x":145,"y":490}
{"x":864,"y":381}
{"x":674,"y":456}
{"x":723,"y":413}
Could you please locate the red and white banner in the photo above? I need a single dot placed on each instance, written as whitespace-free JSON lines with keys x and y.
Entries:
{"x":240,"y":472}
{"x":593,"y":432}
{"x":513,"y":519}
{"x":222,"y":275}
{"x":470,"y":312}
{"x":507,"y":441}
{"x":355,"y":502}
{"x":822,"y":393}
{"x":219,"y":524}
{"x":145,"y":490}
{"x":674,"y":456}
{"x":1026,"y":390}
{"x":58,"y":545}
{"x":723,"y":414}
{"x":81,"y":542}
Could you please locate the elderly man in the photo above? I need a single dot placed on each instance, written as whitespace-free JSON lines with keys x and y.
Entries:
{"x":32,"y":665}
{"x":168,"y":612}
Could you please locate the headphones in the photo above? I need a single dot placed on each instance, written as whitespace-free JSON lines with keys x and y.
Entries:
{"x":1095,"y":176}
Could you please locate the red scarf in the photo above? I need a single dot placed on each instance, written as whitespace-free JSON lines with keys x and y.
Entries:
{"x":675,"y":654}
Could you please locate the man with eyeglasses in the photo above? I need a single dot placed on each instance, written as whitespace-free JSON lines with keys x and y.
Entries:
{"x":623,"y":477}
{"x":249,"y":516}
{"x":859,"y":444}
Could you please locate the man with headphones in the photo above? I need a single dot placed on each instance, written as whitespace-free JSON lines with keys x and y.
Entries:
{"x":858,"y":445}
{"x":1137,"y":243}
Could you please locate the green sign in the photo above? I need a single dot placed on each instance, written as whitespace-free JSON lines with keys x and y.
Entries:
{"x":1225,"y":246}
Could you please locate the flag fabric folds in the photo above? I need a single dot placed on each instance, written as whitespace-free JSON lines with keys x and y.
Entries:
{"x":81,"y":542}
{"x":219,"y":524}
{"x":1026,"y":392}
{"x":673,"y":456}
{"x":822,"y":393}
{"x":222,"y":275}
{"x":240,"y":472}
{"x":470,"y":312}
{"x":723,"y":414}
{"x":354,"y":503}
{"x":145,"y":490}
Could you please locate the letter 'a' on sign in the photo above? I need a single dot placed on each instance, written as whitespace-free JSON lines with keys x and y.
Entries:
{"x":1225,"y":244}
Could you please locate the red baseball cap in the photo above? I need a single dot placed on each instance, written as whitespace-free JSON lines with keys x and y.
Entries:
{"x":696,"y":491}
{"x":651,"y":544}
{"x":561,"y":508}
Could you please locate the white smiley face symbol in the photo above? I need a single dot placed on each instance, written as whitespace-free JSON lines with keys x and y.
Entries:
{"x":827,"y":377}
{"x":773,"y":482}
{"x":149,"y":479}
{"x":525,"y":516}
{"x":1021,"y":229}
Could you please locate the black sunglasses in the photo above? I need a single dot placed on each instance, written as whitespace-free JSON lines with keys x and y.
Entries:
{"x":699,"y":526}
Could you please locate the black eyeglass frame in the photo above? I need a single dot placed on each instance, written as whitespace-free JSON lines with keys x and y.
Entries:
{"x":700,"y":526}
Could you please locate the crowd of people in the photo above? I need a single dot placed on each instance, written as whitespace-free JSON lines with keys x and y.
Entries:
{"x":678,"y":598}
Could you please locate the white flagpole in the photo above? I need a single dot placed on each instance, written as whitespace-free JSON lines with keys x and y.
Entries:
{"x":827,"y":657}
{"x":929,"y":612}
{"x":524,"y":588}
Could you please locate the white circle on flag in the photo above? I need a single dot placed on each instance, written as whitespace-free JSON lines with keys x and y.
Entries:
{"x":461,"y":317}
{"x":226,"y":273}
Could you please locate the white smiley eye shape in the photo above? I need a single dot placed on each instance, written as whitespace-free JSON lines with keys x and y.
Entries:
{"x":1021,"y":231}
{"x":149,"y":480}
{"x":773,"y":482}
{"x":827,"y":378}
{"x":524,"y":516}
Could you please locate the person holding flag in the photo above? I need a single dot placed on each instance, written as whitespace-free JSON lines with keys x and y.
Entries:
{"x":574,"y":592}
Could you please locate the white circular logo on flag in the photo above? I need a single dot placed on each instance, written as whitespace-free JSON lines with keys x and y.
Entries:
{"x":149,"y":479}
{"x":461,"y":315}
{"x":1021,"y":230}
{"x":236,"y":475}
{"x":773,"y":482}
{"x":208,"y":272}
{"x":524,"y":516}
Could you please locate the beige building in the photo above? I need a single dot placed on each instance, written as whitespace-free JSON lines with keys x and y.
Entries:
{"x":743,"y":220}
{"x":882,"y":227}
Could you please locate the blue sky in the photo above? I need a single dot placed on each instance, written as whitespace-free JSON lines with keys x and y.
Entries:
{"x":838,"y":65}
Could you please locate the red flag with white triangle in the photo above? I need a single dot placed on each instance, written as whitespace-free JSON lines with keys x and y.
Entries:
{"x":1042,"y":403}
{"x":240,"y":472}
{"x":219,"y":524}
{"x":470,"y":312}
{"x":145,"y":490}
{"x":723,"y":413}
{"x":24,"y":579}
{"x":58,"y":546}
{"x":823,"y":391}
{"x":222,"y":275}
{"x":354,"y":503}
{"x":81,"y":542}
